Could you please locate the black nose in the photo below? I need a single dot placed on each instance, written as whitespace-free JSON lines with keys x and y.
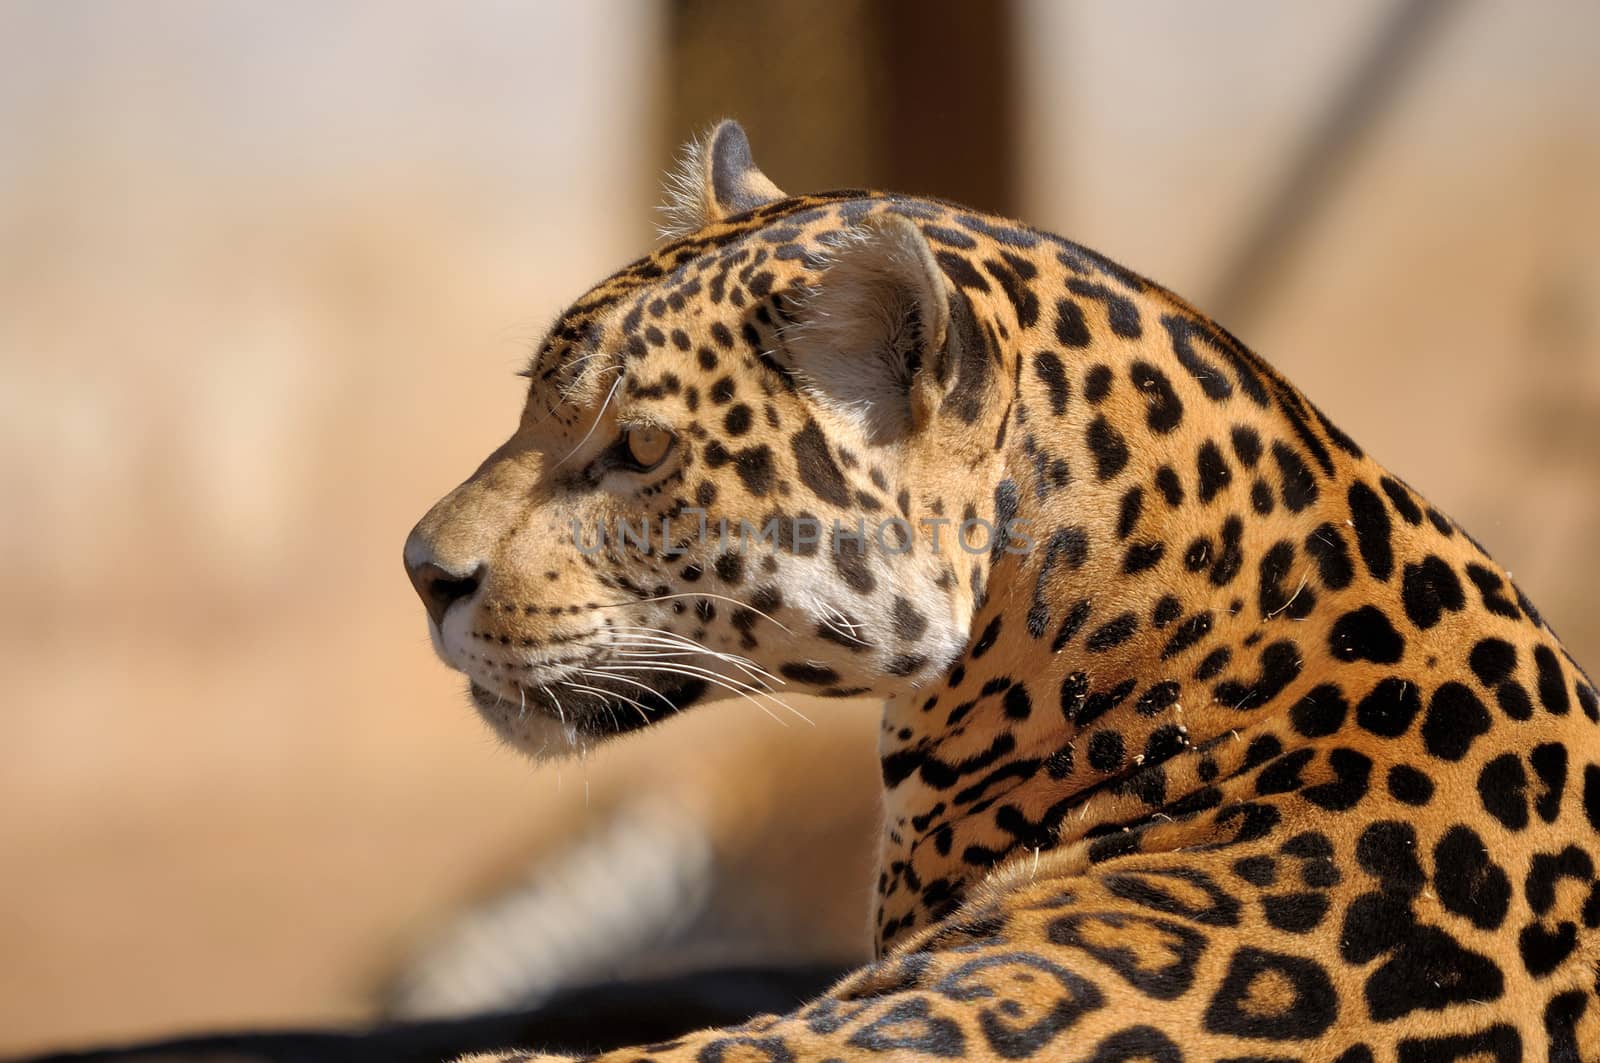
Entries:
{"x":440,"y":588}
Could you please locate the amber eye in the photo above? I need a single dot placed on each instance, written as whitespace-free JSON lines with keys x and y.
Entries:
{"x":647,"y":446}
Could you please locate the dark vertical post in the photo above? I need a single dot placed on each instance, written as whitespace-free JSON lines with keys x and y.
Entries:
{"x":898,"y":94}
{"x":950,"y":110}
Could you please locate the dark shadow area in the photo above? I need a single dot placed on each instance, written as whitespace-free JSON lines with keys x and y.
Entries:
{"x":594,"y":1019}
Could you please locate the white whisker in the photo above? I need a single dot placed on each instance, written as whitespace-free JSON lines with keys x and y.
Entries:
{"x":749,"y":694}
{"x":837,"y":616}
{"x":560,"y":712}
{"x":701,"y":594}
{"x":732,"y":685}
{"x":598,"y":417}
{"x":642,"y":636}
{"x":640,"y":709}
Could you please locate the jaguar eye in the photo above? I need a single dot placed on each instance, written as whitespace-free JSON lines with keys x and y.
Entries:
{"x":647,"y":447}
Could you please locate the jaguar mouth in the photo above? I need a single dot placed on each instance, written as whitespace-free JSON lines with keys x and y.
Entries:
{"x":537,"y":716}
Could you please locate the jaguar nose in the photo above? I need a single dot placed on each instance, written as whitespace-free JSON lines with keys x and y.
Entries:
{"x":439,"y":586}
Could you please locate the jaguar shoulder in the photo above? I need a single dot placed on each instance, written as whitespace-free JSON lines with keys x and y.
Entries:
{"x":1203,"y":735}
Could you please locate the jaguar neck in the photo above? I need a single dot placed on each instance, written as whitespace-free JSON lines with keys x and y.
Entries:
{"x":1135,"y":515}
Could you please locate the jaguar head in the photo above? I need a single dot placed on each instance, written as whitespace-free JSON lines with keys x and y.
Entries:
{"x":742,"y":470}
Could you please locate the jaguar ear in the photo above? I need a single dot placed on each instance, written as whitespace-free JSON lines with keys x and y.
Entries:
{"x":716,"y":178}
{"x":874,"y":335}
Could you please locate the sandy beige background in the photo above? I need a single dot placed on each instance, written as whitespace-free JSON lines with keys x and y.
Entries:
{"x":265,"y":274}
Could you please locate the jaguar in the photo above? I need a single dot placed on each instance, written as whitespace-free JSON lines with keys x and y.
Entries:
{"x":1204,"y":736}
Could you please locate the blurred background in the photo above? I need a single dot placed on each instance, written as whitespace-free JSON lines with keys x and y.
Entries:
{"x":266,"y":271}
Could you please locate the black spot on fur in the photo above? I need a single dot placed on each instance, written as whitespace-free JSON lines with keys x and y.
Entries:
{"x":1071,"y":329}
{"x":1365,"y":634}
{"x":1545,"y":872}
{"x":1561,"y":1017}
{"x":1101,"y":935}
{"x":1017,"y":704}
{"x":1428,"y":590}
{"x":901,"y":664}
{"x":1169,"y":485}
{"x":1071,"y":624}
{"x":1544,"y":950}
{"x":909,"y":623}
{"x":1351,"y":771}
{"x":1109,"y":449}
{"x":1246,"y":445}
{"x":754,"y":466}
{"x":851,"y":564}
{"x":1490,"y":588}
{"x":1387,"y":850}
{"x":1492,"y":660}
{"x":1187,"y":634}
{"x":954,"y":237}
{"x":1069,"y":546}
{"x":1141,"y":556}
{"x":1319,"y":712}
{"x":1456,"y":718}
{"x":969,"y":345}
{"x":1500,"y":1043}
{"x":1280,"y":666}
{"x":1502,"y":788}
{"x":1105,"y":751}
{"x":959,"y":270}
{"x":1074,"y":692}
{"x":1552,"y":684}
{"x":1230,"y":557}
{"x":1261,"y":497}
{"x":1403,"y":503}
{"x":1050,"y":372}
{"x":1212,"y":380}
{"x":812,"y":674}
{"x":1013,"y":282}
{"x":1158,"y":699}
{"x":1283,"y":775}
{"x":816,"y":467}
{"x":909,"y":1028}
{"x":1468,"y":882}
{"x":1128,"y":511}
{"x":1163,"y":408}
{"x":1097,"y":383}
{"x":1590,"y":700}
{"x":1310,"y":1009}
{"x":737,"y":421}
{"x":1112,"y":633}
{"x":1410,"y":786}
{"x":987,"y":639}
{"x":1166,"y":610}
{"x":1296,"y":913}
{"x":1122,"y":314}
{"x":1299,"y":485}
{"x":1390,"y":707}
{"x":730,"y":567}
{"x":1327,"y":546}
{"x":1212,"y":470}
{"x":1372,"y":530}
{"x":1549,"y":762}
{"x":1274,"y":597}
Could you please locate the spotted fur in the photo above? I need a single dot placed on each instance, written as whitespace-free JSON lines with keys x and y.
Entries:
{"x":1236,"y":749}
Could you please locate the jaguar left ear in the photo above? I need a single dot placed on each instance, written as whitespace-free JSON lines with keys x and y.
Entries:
{"x":716,"y":179}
